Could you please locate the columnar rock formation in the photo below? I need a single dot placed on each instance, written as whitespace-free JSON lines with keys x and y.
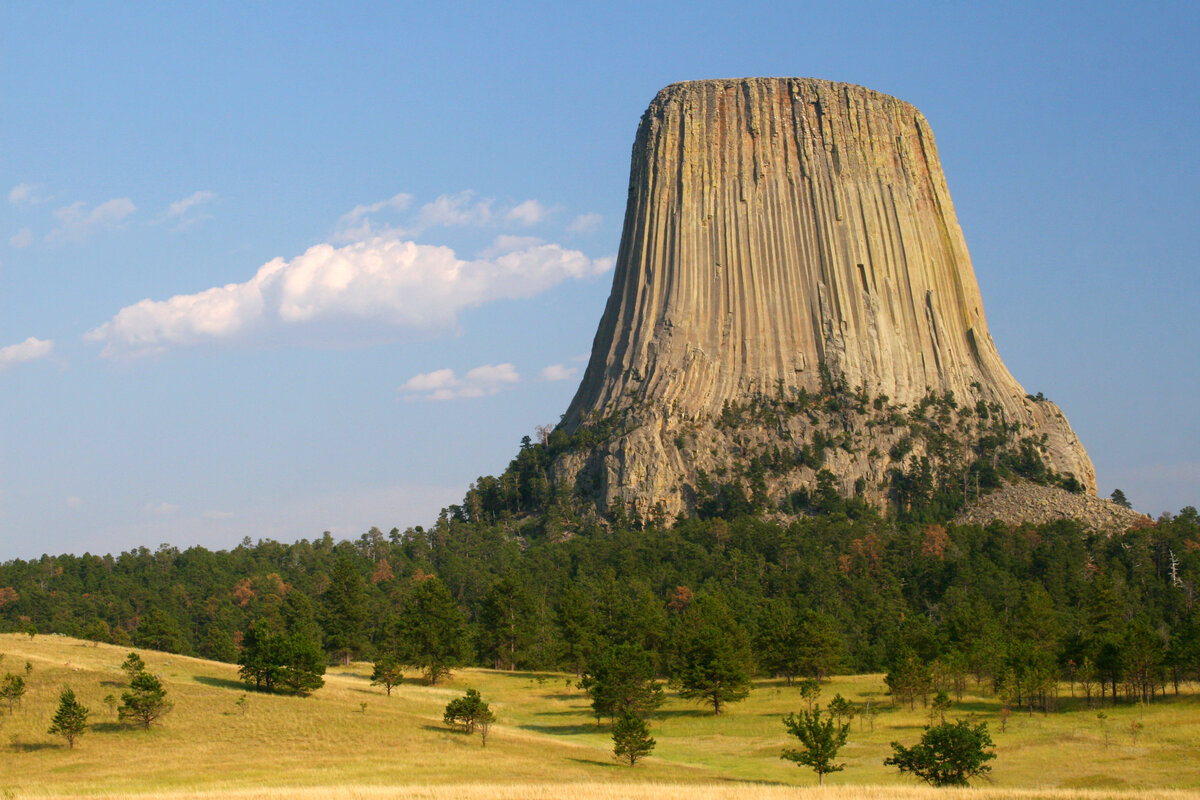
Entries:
{"x":778,"y":229}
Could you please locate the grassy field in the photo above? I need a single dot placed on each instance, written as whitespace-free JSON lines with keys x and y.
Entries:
{"x":350,"y":740}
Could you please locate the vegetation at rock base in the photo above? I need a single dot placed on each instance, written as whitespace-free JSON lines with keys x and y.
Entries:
{"x":932,"y":606}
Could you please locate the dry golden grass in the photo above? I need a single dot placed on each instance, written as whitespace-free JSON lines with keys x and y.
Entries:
{"x":657,"y":791}
{"x":545,"y":744}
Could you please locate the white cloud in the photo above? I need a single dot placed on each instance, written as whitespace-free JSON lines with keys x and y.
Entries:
{"x":357,"y":224}
{"x":454,"y":210}
{"x":443,"y":384}
{"x":24,"y":193}
{"x":180,"y":207}
{"x":179,"y":210}
{"x":385,"y":281}
{"x":23,"y":238}
{"x":530,"y":212}
{"x":160,"y":509}
{"x":585,"y":223}
{"x":76,"y":222}
{"x":29,"y":350}
{"x":558,"y":372}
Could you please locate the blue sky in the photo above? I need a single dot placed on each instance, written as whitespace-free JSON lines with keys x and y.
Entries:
{"x":274,"y":270}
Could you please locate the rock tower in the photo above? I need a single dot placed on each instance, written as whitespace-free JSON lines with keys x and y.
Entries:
{"x":791,"y":277}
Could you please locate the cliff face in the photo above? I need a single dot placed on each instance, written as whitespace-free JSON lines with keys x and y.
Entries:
{"x":785,"y":235}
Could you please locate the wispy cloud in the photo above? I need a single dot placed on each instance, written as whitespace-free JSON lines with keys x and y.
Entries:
{"x":160,"y":509}
{"x":530,"y":212}
{"x":217,"y":515}
{"x":464,"y":209}
{"x":443,"y":384}
{"x":558,"y":372}
{"x":77,"y":222}
{"x":387,"y":282}
{"x":585,"y":223}
{"x":22,"y":238}
{"x":29,"y":350}
{"x":453,"y":210}
{"x":184,"y":212}
{"x":24,"y":193}
{"x":358,"y":223}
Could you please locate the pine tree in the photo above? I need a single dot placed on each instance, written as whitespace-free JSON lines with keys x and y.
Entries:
{"x":711,"y":655}
{"x":620,"y":681}
{"x":631,"y":739}
{"x":468,"y":711}
{"x":820,"y":740}
{"x":133,"y":664}
{"x":344,"y":617}
{"x":70,"y":720}
{"x":146,"y":700}
{"x":949,"y":754}
{"x":12,"y":690}
{"x":386,"y":672}
{"x":431,"y":632}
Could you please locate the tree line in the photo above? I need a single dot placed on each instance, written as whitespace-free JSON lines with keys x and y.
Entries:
{"x":1013,"y":608}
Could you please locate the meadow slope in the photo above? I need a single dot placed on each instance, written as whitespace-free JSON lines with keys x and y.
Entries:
{"x":351,"y":740}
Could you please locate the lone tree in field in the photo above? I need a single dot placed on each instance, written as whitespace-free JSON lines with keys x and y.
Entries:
{"x":70,"y":720}
{"x":467,"y":712}
{"x":631,"y":739}
{"x":387,"y":672}
{"x":820,"y":741}
{"x":12,"y":690}
{"x":277,"y":661}
{"x":949,"y":754}
{"x":146,"y":700}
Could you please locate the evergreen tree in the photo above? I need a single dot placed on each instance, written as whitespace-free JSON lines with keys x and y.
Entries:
{"x":950,"y":754}
{"x":145,"y":702}
{"x":70,"y":720}
{"x":620,"y":681}
{"x":344,"y":612}
{"x":158,"y":630}
{"x":504,"y":616}
{"x":431,"y":632}
{"x":710,"y":659}
{"x":631,"y":739}
{"x":133,"y":664}
{"x":386,"y":672}
{"x":280,"y":661}
{"x":12,"y":690}
{"x":820,"y":741}
{"x":467,"y":711}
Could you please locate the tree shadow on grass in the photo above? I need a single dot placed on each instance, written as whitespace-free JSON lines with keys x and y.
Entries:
{"x":113,"y":683}
{"x":683,"y":712}
{"x":222,"y":683}
{"x":564,"y":730}
{"x":109,"y":727}
{"x":591,"y":762}
{"x":33,"y":747}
